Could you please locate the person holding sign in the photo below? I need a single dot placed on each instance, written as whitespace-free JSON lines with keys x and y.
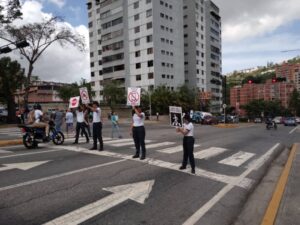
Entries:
{"x":188,"y":142}
{"x":80,"y":125}
{"x":97,"y":126}
{"x":138,"y":132}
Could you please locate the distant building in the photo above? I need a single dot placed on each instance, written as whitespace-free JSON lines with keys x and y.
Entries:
{"x":242,"y":95}
{"x":290,"y":71}
{"x":42,"y":92}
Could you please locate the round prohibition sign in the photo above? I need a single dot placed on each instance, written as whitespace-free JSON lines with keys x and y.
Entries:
{"x":133,"y":97}
{"x":74,"y":102}
{"x":84,"y":95}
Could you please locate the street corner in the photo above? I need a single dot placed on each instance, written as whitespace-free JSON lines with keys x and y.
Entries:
{"x":4,"y":143}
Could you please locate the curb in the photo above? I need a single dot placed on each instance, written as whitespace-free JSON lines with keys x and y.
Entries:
{"x":273,"y":207}
{"x":4,"y":143}
{"x":225,"y":126}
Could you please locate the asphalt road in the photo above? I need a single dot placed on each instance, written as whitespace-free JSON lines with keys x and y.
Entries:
{"x":70,"y":185}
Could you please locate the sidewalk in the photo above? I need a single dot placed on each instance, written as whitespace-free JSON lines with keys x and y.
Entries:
{"x":284,"y":207}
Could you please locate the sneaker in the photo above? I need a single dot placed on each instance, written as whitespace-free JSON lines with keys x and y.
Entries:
{"x":142,"y":158}
{"x":182,"y":167}
{"x":193,"y":171}
{"x":135,"y":156}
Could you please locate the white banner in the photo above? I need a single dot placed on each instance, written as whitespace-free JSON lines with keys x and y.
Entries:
{"x":175,"y":116}
{"x":74,"y":102}
{"x":84,"y":94}
{"x":134,"y":96}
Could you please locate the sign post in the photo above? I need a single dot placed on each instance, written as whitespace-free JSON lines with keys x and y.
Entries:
{"x":133,"y":96}
{"x":224,"y":107}
{"x":84,"y":94}
{"x":175,"y":116}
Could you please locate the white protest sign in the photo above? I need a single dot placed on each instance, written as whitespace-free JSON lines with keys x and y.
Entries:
{"x":134,"y":96}
{"x":84,"y":94}
{"x":74,"y":102}
{"x":175,"y":116}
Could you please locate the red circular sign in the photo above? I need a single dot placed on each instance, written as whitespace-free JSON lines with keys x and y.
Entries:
{"x":133,"y":97}
{"x":74,"y":102}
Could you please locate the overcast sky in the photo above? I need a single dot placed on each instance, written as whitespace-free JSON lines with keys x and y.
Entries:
{"x":254,"y":32}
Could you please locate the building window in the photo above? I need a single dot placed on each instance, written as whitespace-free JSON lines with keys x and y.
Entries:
{"x":137,"y":53}
{"x":150,"y":51}
{"x":90,"y":24}
{"x":150,"y":75}
{"x":149,"y":13}
{"x":138,"y":77}
{"x":136,"y":5}
{"x":149,"y":38}
{"x":148,"y":1}
{"x":136,"y":29}
{"x":92,"y":64}
{"x":136,"y":17}
{"x":92,"y":74}
{"x":150,"y":63}
{"x":138,"y":65}
{"x":163,"y":76}
{"x":137,"y":42}
{"x":149,"y":25}
{"x":91,"y":54}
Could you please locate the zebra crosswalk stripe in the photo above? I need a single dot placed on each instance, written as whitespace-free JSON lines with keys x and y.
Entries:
{"x":237,"y":159}
{"x":126,"y":143}
{"x":209,"y":153}
{"x":175,"y":149}
{"x":159,"y":144}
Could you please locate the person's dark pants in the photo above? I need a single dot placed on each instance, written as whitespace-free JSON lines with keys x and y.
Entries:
{"x":80,"y":126}
{"x":87,"y":127}
{"x":188,"y":151}
{"x":138,"y":134}
{"x":97,"y":135}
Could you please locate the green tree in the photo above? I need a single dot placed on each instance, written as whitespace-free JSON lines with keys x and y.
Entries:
{"x":114,"y":93}
{"x":9,"y":11}
{"x":11,"y":78}
{"x":186,"y":98}
{"x":40,"y":36}
{"x":294,"y":103}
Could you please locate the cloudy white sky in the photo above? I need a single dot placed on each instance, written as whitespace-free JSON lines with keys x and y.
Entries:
{"x":254,"y":32}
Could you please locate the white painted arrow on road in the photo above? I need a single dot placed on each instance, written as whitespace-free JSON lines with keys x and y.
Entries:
{"x":22,"y":166}
{"x":138,"y":192}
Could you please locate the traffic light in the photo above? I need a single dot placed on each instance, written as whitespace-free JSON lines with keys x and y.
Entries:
{"x":5,"y":49}
{"x":274,"y":80}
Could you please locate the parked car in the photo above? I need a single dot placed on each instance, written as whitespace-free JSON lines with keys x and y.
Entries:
{"x":197,"y":117}
{"x":278,"y":119}
{"x":209,"y":120}
{"x":258,"y":120}
{"x":3,"y":115}
{"x":290,"y":121}
{"x":297,"y":119}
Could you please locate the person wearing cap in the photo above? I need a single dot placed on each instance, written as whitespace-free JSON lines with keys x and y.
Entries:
{"x":138,"y":132}
{"x":188,"y":143}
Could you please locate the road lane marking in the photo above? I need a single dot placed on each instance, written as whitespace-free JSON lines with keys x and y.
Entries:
{"x":292,"y":131}
{"x":245,"y":183}
{"x":31,"y":153}
{"x":137,"y":192}
{"x":271,"y":212}
{"x":118,"y":141}
{"x":159,"y":144}
{"x":175,"y":149}
{"x":5,"y":151}
{"x":126,"y":143}
{"x":208,"y":205}
{"x":22,"y":166}
{"x":209,"y":153}
{"x":237,"y":159}
{"x":58,"y":175}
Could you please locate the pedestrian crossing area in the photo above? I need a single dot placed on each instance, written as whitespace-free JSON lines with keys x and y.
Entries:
{"x":13,"y":132}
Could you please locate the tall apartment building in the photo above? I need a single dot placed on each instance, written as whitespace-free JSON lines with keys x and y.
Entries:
{"x":147,"y":43}
{"x":136,"y":42}
{"x":290,"y":71}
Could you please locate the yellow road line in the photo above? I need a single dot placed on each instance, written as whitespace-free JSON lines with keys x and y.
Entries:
{"x":271,"y":212}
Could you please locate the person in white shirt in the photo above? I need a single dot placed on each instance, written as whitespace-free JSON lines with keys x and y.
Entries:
{"x":80,"y":125}
{"x":69,"y":121}
{"x":138,"y":132}
{"x":97,"y":126}
{"x":188,"y":143}
{"x":38,"y":114}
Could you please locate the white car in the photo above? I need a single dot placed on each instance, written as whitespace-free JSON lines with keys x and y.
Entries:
{"x":277,"y":119}
{"x":297,"y":119}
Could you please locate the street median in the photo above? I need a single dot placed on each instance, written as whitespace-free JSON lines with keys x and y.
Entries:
{"x":4,"y":143}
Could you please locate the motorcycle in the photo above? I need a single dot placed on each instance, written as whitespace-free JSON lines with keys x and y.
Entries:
{"x":33,"y":135}
{"x":271,"y":124}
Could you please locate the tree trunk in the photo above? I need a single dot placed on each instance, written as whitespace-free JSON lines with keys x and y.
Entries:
{"x":11,"y":109}
{"x":27,"y":85}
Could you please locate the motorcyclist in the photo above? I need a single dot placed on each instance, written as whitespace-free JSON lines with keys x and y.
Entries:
{"x":38,"y":114}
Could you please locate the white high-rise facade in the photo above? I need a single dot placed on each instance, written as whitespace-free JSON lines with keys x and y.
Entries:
{"x":148,"y":43}
{"x":136,"y":42}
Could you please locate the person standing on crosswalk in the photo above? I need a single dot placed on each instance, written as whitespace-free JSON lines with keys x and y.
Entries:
{"x":138,"y":132}
{"x":188,"y":143}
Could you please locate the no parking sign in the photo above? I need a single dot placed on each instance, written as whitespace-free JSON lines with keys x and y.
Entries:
{"x":84,"y":94}
{"x":134,"y":96}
